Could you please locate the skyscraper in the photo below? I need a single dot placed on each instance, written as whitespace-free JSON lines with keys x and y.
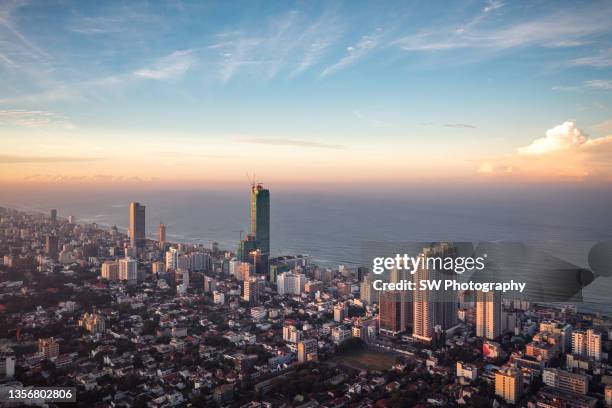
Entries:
{"x":161,"y":235}
{"x":488,"y":315}
{"x":137,"y":225}
{"x":390,"y":313}
{"x":434,"y":310}
{"x":260,"y":217}
{"x":51,"y":246}
{"x":509,"y":384}
{"x":53,"y":216}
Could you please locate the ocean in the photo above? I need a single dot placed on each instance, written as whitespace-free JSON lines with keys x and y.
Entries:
{"x":331,"y":226}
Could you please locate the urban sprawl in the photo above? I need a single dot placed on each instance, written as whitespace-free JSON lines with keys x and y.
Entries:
{"x":132,"y":321}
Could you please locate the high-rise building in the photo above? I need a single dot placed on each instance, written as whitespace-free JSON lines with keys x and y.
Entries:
{"x":509,"y":384}
{"x":434,"y":310}
{"x":290,"y":283}
{"x":367,"y":293}
{"x":49,"y":348}
{"x":390,"y":313}
{"x":110,"y":270}
{"x":172,"y":262}
{"x":587,"y":343}
{"x":488,"y":315}
{"x":260,"y":217}
{"x":53,"y":216}
{"x":210,"y":284}
{"x":307,"y":350}
{"x":340,"y":312}
{"x":51,"y":246}
{"x":128,"y":270}
{"x":137,"y":225}
{"x":161,"y":235}
{"x":253,"y":289}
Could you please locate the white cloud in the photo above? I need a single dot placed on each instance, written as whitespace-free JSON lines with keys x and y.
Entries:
{"x":291,"y":43}
{"x":601,"y":84}
{"x":562,"y":137}
{"x":601,"y":60}
{"x":493,"y":5}
{"x":34,"y":119}
{"x":554,"y":30}
{"x":172,"y":66}
{"x":355,"y":52}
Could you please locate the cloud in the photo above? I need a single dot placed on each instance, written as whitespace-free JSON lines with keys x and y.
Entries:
{"x":291,"y":43}
{"x":556,"y":29}
{"x":565,"y":153}
{"x":493,"y":5}
{"x":561,"y":137}
{"x":371,"y":121}
{"x":460,"y":126}
{"x":172,"y":66}
{"x":600,"y":84}
{"x":601,"y":60}
{"x":15,"y":159}
{"x":292,"y":142}
{"x":355,"y":52}
{"x":34,"y":119}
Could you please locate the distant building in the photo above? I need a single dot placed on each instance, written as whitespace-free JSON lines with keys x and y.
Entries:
{"x":467,"y":371}
{"x":260,"y":217}
{"x":128,"y":270}
{"x":48,"y":348}
{"x":340,"y":312}
{"x":390,"y":312}
{"x":488,"y":315}
{"x":110,"y":270}
{"x":566,"y":381}
{"x":7,"y":364}
{"x":51,"y":246}
{"x":172,"y":259}
{"x":509,"y":384}
{"x":210,"y":284}
{"x":137,"y":225}
{"x":290,"y":283}
{"x":307,"y":350}
{"x":218,"y":298}
{"x":93,"y":323}
{"x":161,"y":235}
{"x":434,"y":310}
{"x":587,"y":343}
{"x":53,"y":216}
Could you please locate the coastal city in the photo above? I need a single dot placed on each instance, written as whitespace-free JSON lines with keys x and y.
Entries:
{"x":131,"y":321}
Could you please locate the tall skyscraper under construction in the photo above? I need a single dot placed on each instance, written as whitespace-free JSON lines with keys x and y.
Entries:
{"x":260,"y":217}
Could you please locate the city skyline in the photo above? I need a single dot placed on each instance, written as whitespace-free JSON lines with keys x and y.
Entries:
{"x":335,"y":94}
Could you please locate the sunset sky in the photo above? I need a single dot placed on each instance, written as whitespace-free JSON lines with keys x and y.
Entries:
{"x":305,"y":92}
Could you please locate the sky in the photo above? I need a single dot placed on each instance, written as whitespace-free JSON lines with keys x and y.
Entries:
{"x":305,"y":93}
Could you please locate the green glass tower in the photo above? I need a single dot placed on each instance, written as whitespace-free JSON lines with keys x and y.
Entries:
{"x":260,"y":217}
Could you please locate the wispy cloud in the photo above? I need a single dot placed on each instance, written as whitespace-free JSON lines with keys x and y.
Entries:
{"x":371,"y":121}
{"x":459,"y":126}
{"x":557,"y":29}
{"x":15,"y":159}
{"x":493,"y":5}
{"x":171,"y":66}
{"x":34,"y":119}
{"x":291,"y":43}
{"x":600,"y":84}
{"x":602,"y":59}
{"x":355,"y":52}
{"x":292,"y":142}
